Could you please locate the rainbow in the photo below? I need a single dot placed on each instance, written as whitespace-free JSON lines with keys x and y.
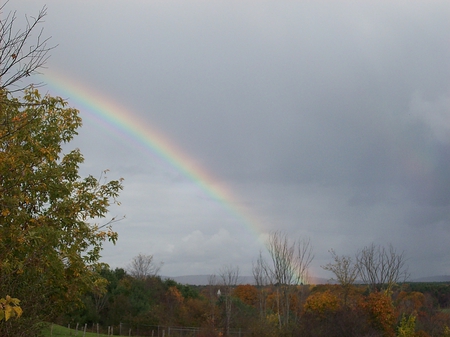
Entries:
{"x":110,"y":114}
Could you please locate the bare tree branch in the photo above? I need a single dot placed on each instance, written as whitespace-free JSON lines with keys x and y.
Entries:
{"x":345,"y":270}
{"x":143,"y":266}
{"x":380,"y":267}
{"x":22,"y":53}
{"x":229,"y":278}
{"x":290,"y":263}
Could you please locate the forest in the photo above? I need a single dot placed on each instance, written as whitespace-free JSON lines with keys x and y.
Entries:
{"x":150,"y":304}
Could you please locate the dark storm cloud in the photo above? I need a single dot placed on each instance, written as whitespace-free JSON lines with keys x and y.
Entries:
{"x":326,"y":118}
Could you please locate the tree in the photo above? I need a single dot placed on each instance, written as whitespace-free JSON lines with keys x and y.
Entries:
{"x":143,"y":266}
{"x":247,"y":293}
{"x":50,"y":230}
{"x":345,"y":271}
{"x":321,"y":304}
{"x":290,"y":263}
{"x":381,"y":313}
{"x":261,"y":275}
{"x":50,"y":235}
{"x":21,"y":54}
{"x":229,"y":277}
{"x":381,"y":268}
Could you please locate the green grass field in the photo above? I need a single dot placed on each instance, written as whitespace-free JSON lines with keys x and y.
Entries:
{"x":59,"y":330}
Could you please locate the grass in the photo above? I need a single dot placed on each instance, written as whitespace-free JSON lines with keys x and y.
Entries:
{"x":59,"y":331}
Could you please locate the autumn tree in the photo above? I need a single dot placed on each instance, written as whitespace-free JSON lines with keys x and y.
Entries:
{"x":247,"y":293}
{"x":321,"y":304}
{"x":345,"y":270}
{"x":381,"y":313}
{"x":52,"y":221}
{"x":50,"y":230}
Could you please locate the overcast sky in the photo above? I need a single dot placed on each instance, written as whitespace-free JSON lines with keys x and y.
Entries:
{"x":322,"y":119}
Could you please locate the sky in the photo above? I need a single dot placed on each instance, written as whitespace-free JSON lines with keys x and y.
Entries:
{"x":327,"y":120}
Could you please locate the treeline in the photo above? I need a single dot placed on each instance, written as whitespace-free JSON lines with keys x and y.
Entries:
{"x":411,"y":309}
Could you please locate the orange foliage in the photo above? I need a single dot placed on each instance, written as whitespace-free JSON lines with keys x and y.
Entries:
{"x":247,"y":294}
{"x":322,"y":304}
{"x":409,"y":302}
{"x":173,"y":295}
{"x":381,"y":313}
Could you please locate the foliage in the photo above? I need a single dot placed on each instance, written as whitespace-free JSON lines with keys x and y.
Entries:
{"x":49,"y":245}
{"x":247,"y":293}
{"x":409,"y":302}
{"x":154,"y":301}
{"x":321,"y":304}
{"x":345,"y":271}
{"x":9,"y":307}
{"x":407,"y":326}
{"x":381,"y":312}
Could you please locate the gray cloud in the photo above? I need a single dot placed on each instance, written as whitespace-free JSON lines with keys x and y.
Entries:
{"x":326,"y":119}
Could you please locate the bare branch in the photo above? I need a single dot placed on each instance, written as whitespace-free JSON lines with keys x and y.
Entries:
{"x":290,"y":263}
{"x":345,"y":270}
{"x":22,"y":53}
{"x":143,"y":266}
{"x":381,"y":268}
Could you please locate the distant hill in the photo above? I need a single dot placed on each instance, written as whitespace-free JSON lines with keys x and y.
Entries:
{"x":438,"y":278}
{"x":201,"y":280}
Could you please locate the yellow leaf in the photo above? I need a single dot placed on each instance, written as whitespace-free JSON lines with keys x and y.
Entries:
{"x":15,"y":301}
{"x":8,"y":312}
{"x":18,"y":311}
